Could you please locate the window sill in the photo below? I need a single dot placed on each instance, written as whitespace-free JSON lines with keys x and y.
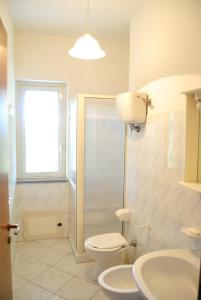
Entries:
{"x":41,"y":180}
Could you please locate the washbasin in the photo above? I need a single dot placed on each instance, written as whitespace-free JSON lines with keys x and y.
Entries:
{"x":168,"y":274}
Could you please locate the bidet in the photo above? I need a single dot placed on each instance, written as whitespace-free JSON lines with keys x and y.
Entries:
{"x":118,"y":283}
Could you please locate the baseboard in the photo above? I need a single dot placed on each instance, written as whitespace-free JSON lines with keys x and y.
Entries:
{"x":79,"y":258}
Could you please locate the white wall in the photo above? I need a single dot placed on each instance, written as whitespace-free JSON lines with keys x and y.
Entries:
{"x":165,"y":40}
{"x":165,"y":44}
{"x":46,"y":57}
{"x":4,"y":15}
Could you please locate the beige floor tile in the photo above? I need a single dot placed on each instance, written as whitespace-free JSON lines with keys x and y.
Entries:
{"x":32,"y":261}
{"x":17,"y":282}
{"x":30,"y":268}
{"x":31,"y":292}
{"x":87,"y":272}
{"x":100,"y":296}
{"x":52,"y":279}
{"x":63,"y":245}
{"x":55,"y":297}
{"x":50,"y":256}
{"x":20,"y":243}
{"x":69,"y":265}
{"x":78,"y":289}
{"x":18,"y":259}
{"x":47,"y":243}
{"x":30,"y":249}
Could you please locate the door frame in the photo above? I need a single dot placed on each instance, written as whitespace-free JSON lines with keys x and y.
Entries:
{"x":5,"y":254}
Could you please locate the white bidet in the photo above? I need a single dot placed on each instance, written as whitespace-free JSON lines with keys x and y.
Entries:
{"x":118,"y":283}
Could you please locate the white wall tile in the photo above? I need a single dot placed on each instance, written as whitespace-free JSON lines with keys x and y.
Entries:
{"x":42,"y":197}
{"x":154,"y":168}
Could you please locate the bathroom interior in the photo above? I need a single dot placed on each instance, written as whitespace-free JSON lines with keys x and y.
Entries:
{"x":108,"y":203}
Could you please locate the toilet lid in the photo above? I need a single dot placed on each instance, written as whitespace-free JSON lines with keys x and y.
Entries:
{"x":107,"y":241}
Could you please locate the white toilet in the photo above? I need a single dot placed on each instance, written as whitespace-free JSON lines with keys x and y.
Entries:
{"x":107,"y":251}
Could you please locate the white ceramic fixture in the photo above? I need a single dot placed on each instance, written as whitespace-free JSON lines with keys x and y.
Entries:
{"x":118,"y":283}
{"x":132,"y":107}
{"x":192,"y":232}
{"x":107,"y":251}
{"x":168,"y":274}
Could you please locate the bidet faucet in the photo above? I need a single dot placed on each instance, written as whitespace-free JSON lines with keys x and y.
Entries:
{"x":133,"y":243}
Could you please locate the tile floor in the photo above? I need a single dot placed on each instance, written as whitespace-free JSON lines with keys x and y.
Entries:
{"x":45,"y":269}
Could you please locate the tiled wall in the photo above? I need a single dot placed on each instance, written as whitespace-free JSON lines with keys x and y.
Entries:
{"x":42,"y":197}
{"x":155,"y":165}
{"x":163,"y":68}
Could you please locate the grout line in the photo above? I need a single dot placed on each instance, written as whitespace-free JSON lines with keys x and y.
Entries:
{"x":39,"y":274}
{"x":57,"y":270}
{"x":86,"y":279}
{"x":49,"y":266}
{"x":73,"y":274}
{"x":52,"y":291}
{"x":38,"y":242}
{"x":63,"y":286}
{"x":29,"y":282}
{"x":57,"y":296}
{"x":25,"y":281}
{"x":44,"y":247}
{"x":91,"y":298}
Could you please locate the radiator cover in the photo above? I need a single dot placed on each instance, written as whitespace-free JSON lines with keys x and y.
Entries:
{"x":43,"y":225}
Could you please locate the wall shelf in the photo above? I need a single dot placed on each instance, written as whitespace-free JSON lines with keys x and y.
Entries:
{"x":196,"y":186}
{"x":192,"y":170}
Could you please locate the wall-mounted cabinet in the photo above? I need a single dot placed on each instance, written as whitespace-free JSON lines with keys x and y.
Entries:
{"x":192,"y":171}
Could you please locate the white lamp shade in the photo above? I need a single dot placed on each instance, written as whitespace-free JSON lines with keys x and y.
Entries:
{"x":87,"y":47}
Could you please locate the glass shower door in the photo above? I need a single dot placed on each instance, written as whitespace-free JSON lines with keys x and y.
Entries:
{"x":104,"y":141}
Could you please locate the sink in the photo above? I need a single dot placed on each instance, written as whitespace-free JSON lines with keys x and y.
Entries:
{"x":168,"y":274}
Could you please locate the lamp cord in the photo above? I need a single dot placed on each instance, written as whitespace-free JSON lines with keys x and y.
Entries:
{"x":87,"y":17}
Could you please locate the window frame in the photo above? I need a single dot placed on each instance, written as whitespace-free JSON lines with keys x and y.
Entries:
{"x":22,"y":175}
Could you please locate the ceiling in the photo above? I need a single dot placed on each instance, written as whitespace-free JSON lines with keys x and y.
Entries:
{"x":108,"y":19}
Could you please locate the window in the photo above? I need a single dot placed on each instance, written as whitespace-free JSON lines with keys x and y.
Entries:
{"x":41,"y":132}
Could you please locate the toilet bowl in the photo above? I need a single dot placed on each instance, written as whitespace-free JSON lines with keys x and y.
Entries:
{"x":118,"y":283}
{"x":107,"y":251}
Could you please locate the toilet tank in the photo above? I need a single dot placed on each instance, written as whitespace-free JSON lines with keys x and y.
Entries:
{"x":132,"y":107}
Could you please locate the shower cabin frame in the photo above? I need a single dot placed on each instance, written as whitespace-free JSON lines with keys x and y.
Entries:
{"x":77,"y":188}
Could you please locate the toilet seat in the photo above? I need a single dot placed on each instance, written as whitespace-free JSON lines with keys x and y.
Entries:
{"x":101,"y":250}
{"x":107,"y":250}
{"x":107,"y":241}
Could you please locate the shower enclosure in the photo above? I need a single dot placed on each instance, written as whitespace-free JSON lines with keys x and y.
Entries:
{"x":96,"y":168}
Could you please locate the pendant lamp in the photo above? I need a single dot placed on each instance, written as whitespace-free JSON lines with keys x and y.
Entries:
{"x":87,"y":47}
